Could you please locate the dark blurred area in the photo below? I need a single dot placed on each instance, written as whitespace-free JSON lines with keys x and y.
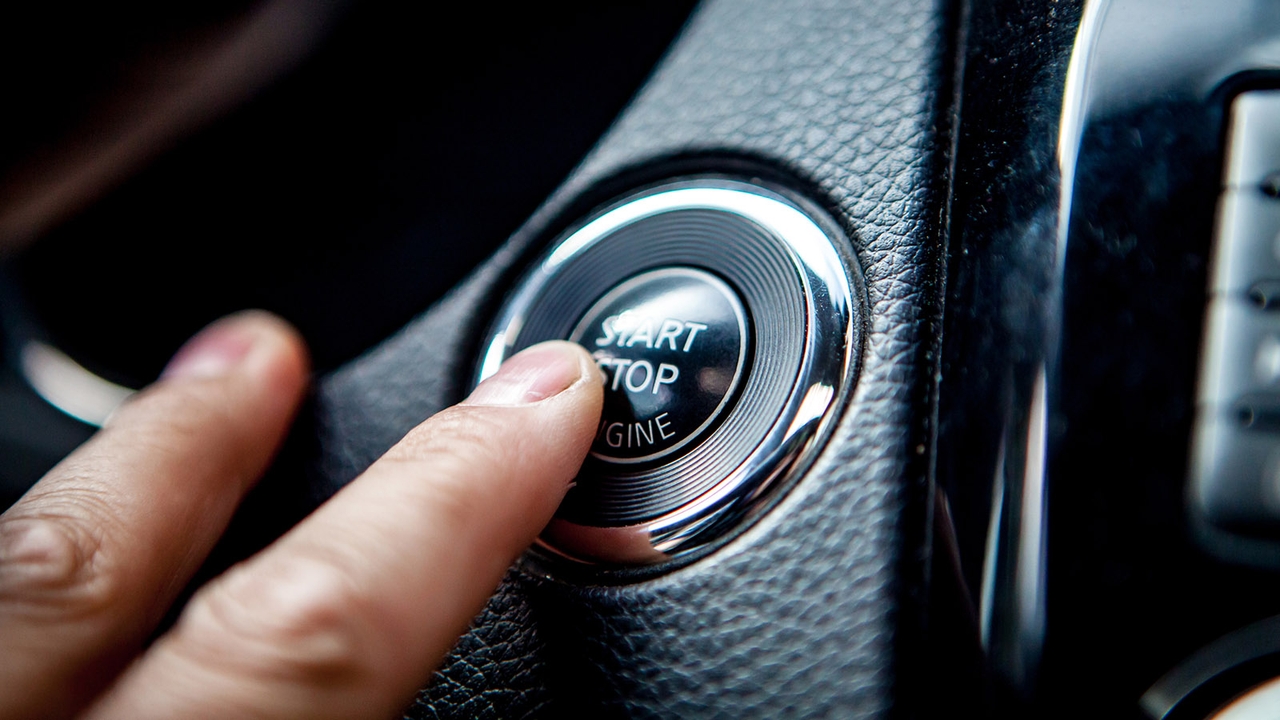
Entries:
{"x":341,"y":164}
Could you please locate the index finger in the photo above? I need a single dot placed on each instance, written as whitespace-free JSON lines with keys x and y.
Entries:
{"x":348,"y":614}
{"x":92,"y":556}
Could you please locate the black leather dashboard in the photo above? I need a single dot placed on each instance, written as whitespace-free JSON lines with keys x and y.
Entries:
{"x":804,"y":613}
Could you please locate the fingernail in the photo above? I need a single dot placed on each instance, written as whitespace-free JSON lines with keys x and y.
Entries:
{"x":214,"y":351}
{"x":531,"y":375}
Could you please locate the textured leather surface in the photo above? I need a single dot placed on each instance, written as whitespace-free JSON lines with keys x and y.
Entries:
{"x":799,"y":615}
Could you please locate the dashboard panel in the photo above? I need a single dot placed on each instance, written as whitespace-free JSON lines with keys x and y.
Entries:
{"x":999,"y":515}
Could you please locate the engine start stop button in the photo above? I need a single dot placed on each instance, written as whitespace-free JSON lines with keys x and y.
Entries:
{"x":672,"y":347}
{"x":724,"y":319}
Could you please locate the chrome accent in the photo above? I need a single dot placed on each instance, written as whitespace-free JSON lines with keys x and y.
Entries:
{"x":69,"y":387}
{"x":829,"y":361}
{"x":1199,"y":671}
{"x":1014,"y":575}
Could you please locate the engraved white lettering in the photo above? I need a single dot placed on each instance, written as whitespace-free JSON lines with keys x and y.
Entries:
{"x":642,"y":334}
{"x":624,"y":324}
{"x":619,"y":364}
{"x":667,"y":374}
{"x":636,"y":434}
{"x":670,"y":330}
{"x":663,"y":424}
{"x":629,"y":330}
{"x":631,"y":383}
{"x":609,"y":332}
{"x":641,"y":432}
{"x":613,"y":435}
{"x":694,"y":328}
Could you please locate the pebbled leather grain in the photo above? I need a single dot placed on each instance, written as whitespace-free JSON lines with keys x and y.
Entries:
{"x":800,"y":614}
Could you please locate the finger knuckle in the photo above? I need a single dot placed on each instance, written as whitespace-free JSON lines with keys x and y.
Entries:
{"x":454,"y":449}
{"x":460,"y":435}
{"x":58,"y":560}
{"x":302,"y":622}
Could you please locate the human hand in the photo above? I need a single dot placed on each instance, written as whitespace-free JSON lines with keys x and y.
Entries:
{"x":344,"y":616}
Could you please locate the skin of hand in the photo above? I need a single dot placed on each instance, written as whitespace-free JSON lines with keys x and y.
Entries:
{"x":344,"y":616}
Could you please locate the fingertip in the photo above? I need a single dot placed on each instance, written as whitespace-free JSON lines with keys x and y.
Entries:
{"x":252,"y":342}
{"x":535,"y":374}
{"x":281,"y":355}
{"x":440,"y":517}
{"x":114,"y":532}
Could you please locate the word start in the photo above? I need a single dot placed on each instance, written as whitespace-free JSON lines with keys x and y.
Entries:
{"x":628,"y":330}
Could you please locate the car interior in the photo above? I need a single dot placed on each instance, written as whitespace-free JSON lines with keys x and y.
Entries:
{"x":939,"y":337}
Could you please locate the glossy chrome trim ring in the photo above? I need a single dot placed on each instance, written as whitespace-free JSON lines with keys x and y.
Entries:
{"x":830,"y":345}
{"x":68,"y":386}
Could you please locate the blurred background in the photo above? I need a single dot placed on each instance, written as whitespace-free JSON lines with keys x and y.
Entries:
{"x":342,"y":164}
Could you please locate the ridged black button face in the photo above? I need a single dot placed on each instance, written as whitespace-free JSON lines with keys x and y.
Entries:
{"x":724,"y":321}
{"x":672,"y":346}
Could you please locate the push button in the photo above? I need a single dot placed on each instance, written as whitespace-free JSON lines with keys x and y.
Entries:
{"x":724,"y":319}
{"x":672,"y":347}
{"x":1253,"y":155}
